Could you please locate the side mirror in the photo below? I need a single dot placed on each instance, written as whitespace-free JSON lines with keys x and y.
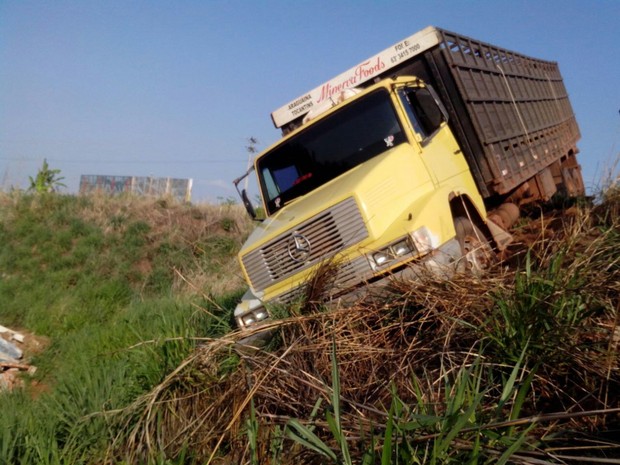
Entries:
{"x":247,"y":204}
{"x":429,"y":112}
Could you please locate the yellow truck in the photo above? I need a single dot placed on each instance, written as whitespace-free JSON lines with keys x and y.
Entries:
{"x":419,"y":156}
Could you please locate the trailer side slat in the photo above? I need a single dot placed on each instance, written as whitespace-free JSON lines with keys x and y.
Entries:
{"x":517,"y":105}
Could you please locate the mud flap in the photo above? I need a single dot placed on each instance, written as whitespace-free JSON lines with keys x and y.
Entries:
{"x":501,"y":237}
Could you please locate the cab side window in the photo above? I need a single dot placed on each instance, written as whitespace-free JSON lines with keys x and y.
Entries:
{"x":423,"y":110}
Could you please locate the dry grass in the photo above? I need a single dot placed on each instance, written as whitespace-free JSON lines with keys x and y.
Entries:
{"x":167,"y":216}
{"x":410,"y":341}
{"x":211,"y":231}
{"x":410,"y":344}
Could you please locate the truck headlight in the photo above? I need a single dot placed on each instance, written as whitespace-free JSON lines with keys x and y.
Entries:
{"x":388,"y":254}
{"x":253,"y":317}
{"x":381,"y":258}
{"x":250,"y":310}
{"x":402,"y":248}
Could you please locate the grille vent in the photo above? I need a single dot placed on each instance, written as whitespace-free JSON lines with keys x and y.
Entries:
{"x":327,"y":233}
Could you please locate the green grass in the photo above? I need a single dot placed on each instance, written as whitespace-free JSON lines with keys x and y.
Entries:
{"x":103,"y":287}
{"x":93,"y":371}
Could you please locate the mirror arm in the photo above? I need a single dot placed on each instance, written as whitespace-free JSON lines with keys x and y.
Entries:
{"x":244,"y":195}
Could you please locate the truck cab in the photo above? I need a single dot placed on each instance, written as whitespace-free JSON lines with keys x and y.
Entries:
{"x":417,"y":158}
{"x":374,"y":183}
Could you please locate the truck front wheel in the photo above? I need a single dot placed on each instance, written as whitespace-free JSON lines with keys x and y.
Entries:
{"x":477,"y":254}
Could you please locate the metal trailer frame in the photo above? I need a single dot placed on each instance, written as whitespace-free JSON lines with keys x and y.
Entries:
{"x":513,"y":116}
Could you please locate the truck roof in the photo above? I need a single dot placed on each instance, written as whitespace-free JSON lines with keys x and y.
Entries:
{"x":360,"y":73}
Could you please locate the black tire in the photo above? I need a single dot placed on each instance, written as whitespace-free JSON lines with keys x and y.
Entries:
{"x":477,"y":255}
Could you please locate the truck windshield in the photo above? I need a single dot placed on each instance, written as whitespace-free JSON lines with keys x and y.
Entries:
{"x":358,"y":132}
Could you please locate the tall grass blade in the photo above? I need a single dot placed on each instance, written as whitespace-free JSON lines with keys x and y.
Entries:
{"x":510,"y":383}
{"x":302,"y":435}
{"x":252,"y":433}
{"x":514,"y":447}
{"x":338,"y":434}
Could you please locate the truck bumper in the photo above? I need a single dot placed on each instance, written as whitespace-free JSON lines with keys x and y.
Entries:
{"x":441,"y":262}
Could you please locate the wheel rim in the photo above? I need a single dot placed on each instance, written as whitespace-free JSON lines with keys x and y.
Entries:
{"x":478,"y":255}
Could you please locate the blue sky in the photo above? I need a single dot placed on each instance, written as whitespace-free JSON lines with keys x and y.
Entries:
{"x":160,"y":88}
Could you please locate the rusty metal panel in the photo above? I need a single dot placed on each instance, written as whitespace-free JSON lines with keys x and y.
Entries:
{"x":518,"y":106}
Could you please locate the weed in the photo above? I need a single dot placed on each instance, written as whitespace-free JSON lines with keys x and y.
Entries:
{"x":46,"y":180}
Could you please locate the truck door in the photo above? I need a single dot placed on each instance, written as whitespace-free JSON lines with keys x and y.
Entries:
{"x":429,"y":122}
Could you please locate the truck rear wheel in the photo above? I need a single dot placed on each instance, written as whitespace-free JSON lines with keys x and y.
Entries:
{"x":477,"y":254}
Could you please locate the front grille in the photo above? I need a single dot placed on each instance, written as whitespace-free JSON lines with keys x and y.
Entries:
{"x":327,"y":233}
{"x":349,"y":275}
